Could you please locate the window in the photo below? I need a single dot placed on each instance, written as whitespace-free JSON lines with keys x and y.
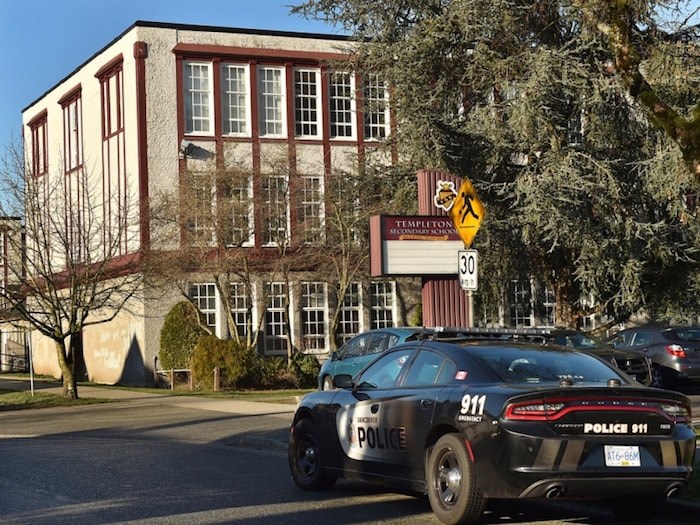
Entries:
{"x":550,"y":307}
{"x":376,"y":109}
{"x":271,"y":103}
{"x":384,"y":372}
{"x":430,"y":368}
{"x":307,"y":102}
{"x":39,"y":141}
{"x":112,"y":87}
{"x":342,"y":105}
{"x":204,"y":298}
{"x":199,"y":98}
{"x":3,"y":264}
{"x":234,"y":91}
{"x":240,"y":310}
{"x":72,"y":131}
{"x":311,"y":209}
{"x":275,"y":210}
{"x":201,"y":209}
{"x":349,"y":324}
{"x":238,"y":190}
{"x":382,"y":304}
{"x":313,"y":316}
{"x":275,"y":319}
{"x":520,"y":304}
{"x":115,"y":199}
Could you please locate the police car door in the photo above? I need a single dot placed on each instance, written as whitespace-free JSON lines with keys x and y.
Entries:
{"x":383,"y":422}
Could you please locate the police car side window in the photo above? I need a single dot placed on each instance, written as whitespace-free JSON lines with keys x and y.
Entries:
{"x":429,"y":368}
{"x":384,"y":372}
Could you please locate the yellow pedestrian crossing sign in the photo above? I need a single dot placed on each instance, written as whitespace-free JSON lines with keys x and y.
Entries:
{"x":467,"y":212}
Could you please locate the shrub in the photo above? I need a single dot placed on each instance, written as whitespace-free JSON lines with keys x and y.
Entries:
{"x":179,"y":335}
{"x":304,"y":369}
{"x":239,"y":365}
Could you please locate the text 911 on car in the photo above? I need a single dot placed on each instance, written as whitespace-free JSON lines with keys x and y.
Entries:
{"x":463,"y":421}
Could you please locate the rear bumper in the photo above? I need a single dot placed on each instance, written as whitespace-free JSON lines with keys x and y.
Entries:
{"x":605,"y":487}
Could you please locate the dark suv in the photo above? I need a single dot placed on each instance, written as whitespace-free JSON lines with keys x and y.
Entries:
{"x":674,"y":351}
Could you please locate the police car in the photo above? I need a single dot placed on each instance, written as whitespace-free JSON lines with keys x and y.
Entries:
{"x":465,"y":420}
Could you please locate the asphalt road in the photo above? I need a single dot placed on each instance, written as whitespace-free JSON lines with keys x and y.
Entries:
{"x":168,"y":460}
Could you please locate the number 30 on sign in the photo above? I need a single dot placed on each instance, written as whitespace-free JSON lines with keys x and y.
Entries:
{"x":468,"y":269}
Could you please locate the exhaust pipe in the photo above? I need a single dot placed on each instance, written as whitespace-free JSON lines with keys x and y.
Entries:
{"x":554,"y":492}
{"x":674,"y":491}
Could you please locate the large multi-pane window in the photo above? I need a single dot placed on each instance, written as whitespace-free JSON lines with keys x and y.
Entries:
{"x":3,"y":263}
{"x":550,"y":307}
{"x":234,"y":91}
{"x":72,"y":131}
{"x":271,"y":102}
{"x":240,"y":309}
{"x":307,"y":103}
{"x":276,"y":319}
{"x":238,"y":191}
{"x":376,"y":108}
{"x":313,"y":315}
{"x":350,"y":313}
{"x":341,"y":105}
{"x":199,"y":98}
{"x":201,"y":209}
{"x":521,"y":304}
{"x":382,"y":304}
{"x":311,"y":208}
{"x":39,"y":145}
{"x":203,"y":295}
{"x":274,"y":200}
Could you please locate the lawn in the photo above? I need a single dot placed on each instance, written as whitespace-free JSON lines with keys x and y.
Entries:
{"x":11,"y":400}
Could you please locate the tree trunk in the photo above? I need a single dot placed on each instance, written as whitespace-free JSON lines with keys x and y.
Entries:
{"x":70,"y":388}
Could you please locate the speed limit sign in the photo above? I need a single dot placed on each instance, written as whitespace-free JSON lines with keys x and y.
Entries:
{"x":468,"y":269}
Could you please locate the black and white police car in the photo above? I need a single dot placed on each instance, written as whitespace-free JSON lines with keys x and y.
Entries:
{"x":464,"y":420}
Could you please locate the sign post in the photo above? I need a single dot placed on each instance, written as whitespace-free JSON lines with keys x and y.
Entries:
{"x":466,"y":211}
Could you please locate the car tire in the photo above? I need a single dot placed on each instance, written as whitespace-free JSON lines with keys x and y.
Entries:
{"x":661,"y":378}
{"x":306,"y":458}
{"x":327,"y":383}
{"x":453,"y":492}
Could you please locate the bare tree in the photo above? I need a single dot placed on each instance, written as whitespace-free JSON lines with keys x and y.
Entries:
{"x":78,"y":268}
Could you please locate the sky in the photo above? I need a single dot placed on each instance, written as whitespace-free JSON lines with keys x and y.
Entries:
{"x":42,"y":41}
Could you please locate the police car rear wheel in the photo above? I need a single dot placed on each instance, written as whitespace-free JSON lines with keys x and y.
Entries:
{"x":453,"y":492}
{"x":306,"y":459}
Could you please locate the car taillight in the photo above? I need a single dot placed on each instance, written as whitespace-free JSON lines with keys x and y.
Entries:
{"x":533,"y":411}
{"x":675,"y":350}
{"x":676,"y":412}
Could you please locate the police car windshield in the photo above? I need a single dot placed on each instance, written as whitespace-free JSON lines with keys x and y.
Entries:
{"x":527,"y":365}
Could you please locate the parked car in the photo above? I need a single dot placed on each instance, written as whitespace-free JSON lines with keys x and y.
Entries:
{"x":674,"y":351}
{"x":357,"y":352}
{"x":464,"y":420}
{"x":637,"y":366}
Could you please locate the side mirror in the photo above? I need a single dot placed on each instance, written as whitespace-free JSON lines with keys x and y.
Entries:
{"x":342,"y":381}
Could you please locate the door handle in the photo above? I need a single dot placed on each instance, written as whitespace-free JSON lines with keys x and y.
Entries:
{"x":426,"y":403}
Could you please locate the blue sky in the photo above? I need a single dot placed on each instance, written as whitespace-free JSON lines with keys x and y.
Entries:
{"x":42,"y":41}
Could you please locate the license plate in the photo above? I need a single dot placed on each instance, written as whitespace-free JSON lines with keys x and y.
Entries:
{"x":622,"y":456}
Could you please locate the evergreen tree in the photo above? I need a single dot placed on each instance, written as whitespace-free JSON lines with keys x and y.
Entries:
{"x":587,"y":189}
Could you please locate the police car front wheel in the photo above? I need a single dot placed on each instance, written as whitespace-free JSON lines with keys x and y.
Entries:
{"x":306,"y":458}
{"x":453,"y":492}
